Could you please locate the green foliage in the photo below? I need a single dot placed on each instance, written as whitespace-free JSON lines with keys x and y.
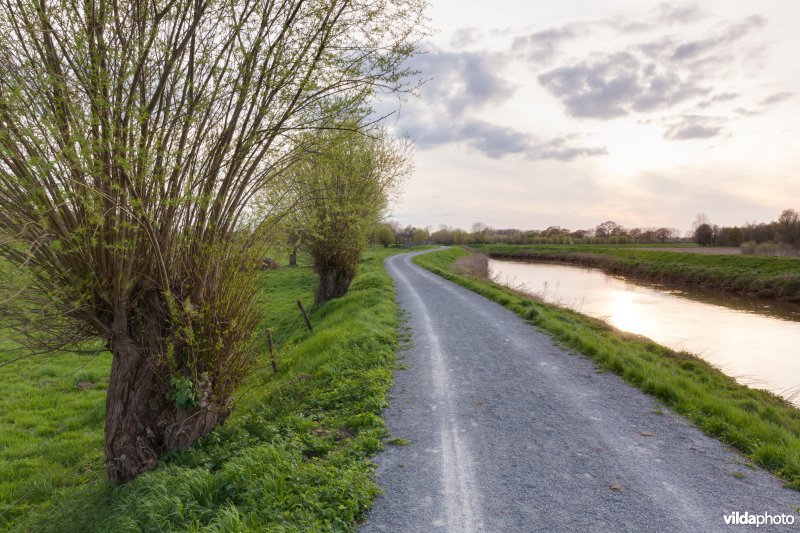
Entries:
{"x":704,"y":235}
{"x":343,"y":187}
{"x":761,"y":425}
{"x":183,"y":393}
{"x":382,"y":234}
{"x":294,"y":455}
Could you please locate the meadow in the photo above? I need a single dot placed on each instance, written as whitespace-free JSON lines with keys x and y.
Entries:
{"x":294,"y":455}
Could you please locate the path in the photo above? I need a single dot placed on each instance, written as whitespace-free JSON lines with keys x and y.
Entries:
{"x":510,"y":433}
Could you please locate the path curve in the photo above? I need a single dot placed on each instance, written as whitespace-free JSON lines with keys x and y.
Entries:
{"x":509,"y":432}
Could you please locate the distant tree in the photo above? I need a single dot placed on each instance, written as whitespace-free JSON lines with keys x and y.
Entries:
{"x":420,"y":235}
{"x":789,"y":227}
{"x":580,"y":234}
{"x":608,"y":229}
{"x":342,"y":187}
{"x":479,"y":227}
{"x":444,"y":235}
{"x":730,"y":236}
{"x":406,"y":236}
{"x":699,"y":220}
{"x":704,"y":234}
{"x":382,"y":234}
{"x":761,"y":232}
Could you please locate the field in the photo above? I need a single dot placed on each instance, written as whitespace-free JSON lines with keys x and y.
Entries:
{"x":705,"y":250}
{"x":762,"y":426}
{"x":293,"y":456}
{"x":766,"y":277}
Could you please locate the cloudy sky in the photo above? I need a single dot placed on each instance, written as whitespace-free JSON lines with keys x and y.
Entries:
{"x":575,"y":112}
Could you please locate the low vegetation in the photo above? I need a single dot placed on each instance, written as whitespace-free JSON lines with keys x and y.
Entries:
{"x":767,"y":277}
{"x":769,"y":248}
{"x":293,"y":456}
{"x":762,"y":426}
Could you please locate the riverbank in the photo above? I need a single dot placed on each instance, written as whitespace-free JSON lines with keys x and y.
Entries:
{"x":295,"y":454}
{"x":765,"y":428}
{"x":764,"y":277}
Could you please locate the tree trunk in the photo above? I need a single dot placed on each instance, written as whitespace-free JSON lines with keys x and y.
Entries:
{"x":333,"y":283}
{"x":132,"y":443}
{"x":293,"y":258}
{"x":141,"y":420}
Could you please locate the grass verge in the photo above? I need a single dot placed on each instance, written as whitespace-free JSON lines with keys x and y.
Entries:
{"x":294,"y":456}
{"x":766,"y":277}
{"x":761,"y":425}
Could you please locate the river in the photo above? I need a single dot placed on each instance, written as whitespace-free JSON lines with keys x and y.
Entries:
{"x":756,"y":342}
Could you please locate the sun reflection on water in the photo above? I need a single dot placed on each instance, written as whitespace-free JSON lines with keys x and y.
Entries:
{"x":622,"y":312}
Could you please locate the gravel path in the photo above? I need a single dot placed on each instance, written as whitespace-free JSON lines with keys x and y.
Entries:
{"x":509,"y":432}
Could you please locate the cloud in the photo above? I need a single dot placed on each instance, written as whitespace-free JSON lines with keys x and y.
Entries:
{"x":665,"y":14}
{"x":617,"y":85}
{"x":732,"y":33}
{"x":490,"y":139}
{"x":559,"y":149}
{"x":543,"y":45}
{"x":465,"y":37}
{"x":692,"y":127}
{"x":669,"y":13}
{"x":497,"y":141}
{"x":718,"y":99}
{"x":777,"y":98}
{"x":463,"y":83}
{"x":464,"y":79}
{"x":660,"y":74}
{"x":744,"y":112}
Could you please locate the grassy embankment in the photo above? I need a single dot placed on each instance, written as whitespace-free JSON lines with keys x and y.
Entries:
{"x":762,"y":426}
{"x":767,"y":277}
{"x":293,"y":456}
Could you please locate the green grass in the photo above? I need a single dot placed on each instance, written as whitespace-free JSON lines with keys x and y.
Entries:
{"x":294,"y":456}
{"x":769,"y":277}
{"x":762,"y":426}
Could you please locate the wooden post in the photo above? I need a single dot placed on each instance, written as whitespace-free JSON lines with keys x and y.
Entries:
{"x":305,"y":316}
{"x":272,"y":352}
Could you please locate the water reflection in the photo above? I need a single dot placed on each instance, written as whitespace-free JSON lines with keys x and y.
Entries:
{"x":755,"y":341}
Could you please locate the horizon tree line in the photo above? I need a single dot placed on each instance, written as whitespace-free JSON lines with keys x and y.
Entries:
{"x":784,"y":230}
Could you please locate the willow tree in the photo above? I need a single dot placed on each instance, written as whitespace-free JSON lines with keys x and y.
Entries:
{"x":133,"y":135}
{"x":342,"y":187}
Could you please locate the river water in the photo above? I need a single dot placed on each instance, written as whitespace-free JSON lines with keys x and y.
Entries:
{"x":756,"y":342}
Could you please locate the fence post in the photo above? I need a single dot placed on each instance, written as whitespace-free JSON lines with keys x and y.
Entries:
{"x":305,"y":316}
{"x":272,"y":352}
